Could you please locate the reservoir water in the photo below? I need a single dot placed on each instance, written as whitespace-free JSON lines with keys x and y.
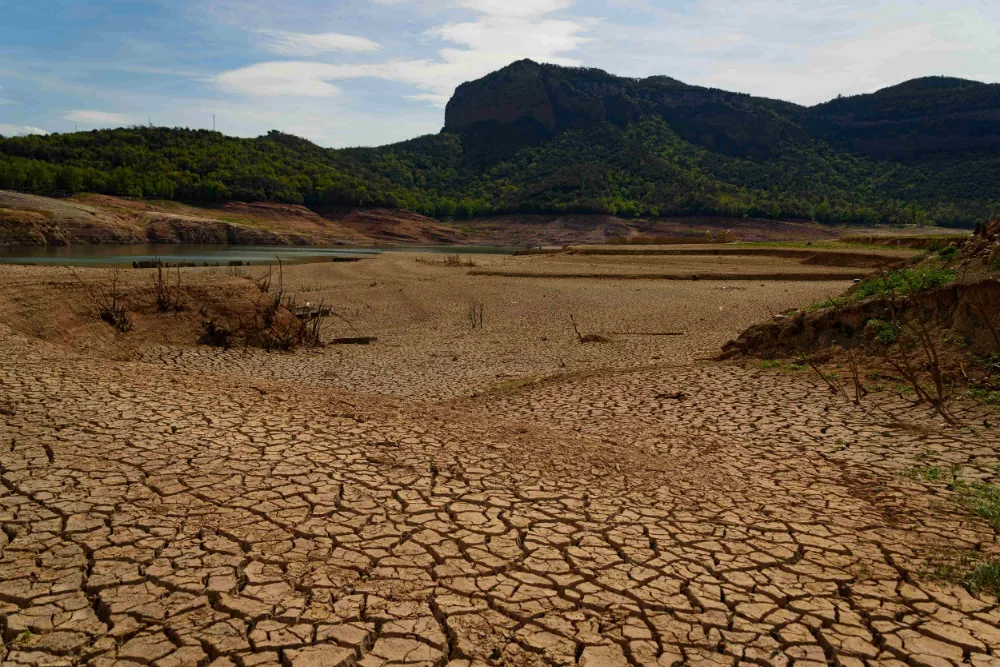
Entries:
{"x":208,"y":255}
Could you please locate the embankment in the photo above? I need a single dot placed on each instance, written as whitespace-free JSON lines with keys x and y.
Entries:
{"x":964,"y":310}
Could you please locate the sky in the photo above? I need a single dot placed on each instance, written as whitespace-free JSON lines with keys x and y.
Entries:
{"x":372,"y":72}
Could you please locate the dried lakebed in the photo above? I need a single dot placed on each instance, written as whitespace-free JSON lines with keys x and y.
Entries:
{"x":620,"y":510}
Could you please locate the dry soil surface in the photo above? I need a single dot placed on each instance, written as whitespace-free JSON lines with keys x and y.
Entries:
{"x":458,"y":496}
{"x":90,"y":218}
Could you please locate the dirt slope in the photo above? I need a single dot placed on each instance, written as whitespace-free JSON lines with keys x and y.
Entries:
{"x":32,"y":220}
{"x":88,"y":218}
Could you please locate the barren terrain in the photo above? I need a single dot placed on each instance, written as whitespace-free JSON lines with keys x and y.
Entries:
{"x":450,"y":495}
{"x":31,"y":220}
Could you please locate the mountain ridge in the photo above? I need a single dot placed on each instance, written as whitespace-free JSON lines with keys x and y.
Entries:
{"x":545,"y":139}
{"x":736,"y":124}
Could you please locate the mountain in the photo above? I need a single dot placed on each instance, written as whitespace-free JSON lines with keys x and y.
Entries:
{"x":536,"y":138}
{"x":539,"y":101}
{"x":913,"y":119}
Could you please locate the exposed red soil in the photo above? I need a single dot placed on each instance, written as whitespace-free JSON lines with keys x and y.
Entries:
{"x":394,"y":225}
{"x":91,"y":218}
{"x":965,"y":310}
{"x":919,"y":242}
{"x":586,"y":228}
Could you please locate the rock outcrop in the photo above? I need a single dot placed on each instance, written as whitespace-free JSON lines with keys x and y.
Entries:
{"x":918,"y":117}
{"x":528,"y":102}
{"x":983,"y":247}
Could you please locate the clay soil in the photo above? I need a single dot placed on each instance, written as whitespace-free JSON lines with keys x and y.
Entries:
{"x":688,"y":262}
{"x":450,"y":495}
{"x":89,"y":218}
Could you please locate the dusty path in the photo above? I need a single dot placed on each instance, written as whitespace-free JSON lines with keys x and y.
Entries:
{"x":153,"y":514}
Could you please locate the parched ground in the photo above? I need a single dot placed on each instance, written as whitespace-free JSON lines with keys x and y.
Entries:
{"x":32,"y":220}
{"x":449,"y":496}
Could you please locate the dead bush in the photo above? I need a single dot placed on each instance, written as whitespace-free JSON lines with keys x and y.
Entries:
{"x":167,"y":298}
{"x":475,"y":314}
{"x":108,"y":299}
{"x":272,"y":320}
{"x":915,"y":356}
{"x":215,"y":335}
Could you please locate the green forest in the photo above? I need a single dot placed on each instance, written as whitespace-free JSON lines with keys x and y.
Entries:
{"x":641,"y":169}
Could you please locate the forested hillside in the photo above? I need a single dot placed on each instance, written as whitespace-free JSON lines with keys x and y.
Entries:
{"x":546,"y":139}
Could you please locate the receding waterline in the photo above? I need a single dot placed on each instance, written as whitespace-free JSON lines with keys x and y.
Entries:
{"x":205,"y":255}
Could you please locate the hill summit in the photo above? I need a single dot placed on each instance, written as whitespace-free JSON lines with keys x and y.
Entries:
{"x":532,"y":102}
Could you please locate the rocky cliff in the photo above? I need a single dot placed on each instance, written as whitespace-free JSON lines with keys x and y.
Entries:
{"x":918,"y":117}
{"x":528,"y":102}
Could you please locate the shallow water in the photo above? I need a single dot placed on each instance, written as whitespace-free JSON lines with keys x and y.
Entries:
{"x":206,"y":255}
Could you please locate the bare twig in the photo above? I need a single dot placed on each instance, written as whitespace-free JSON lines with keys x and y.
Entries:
{"x":905,"y":364}
{"x":834,"y":384}
{"x":588,"y":338}
{"x":167,"y":300}
{"x":575,"y":328}
{"x":989,"y":324}
{"x":108,"y":300}
{"x":859,"y":390}
{"x":475,"y":314}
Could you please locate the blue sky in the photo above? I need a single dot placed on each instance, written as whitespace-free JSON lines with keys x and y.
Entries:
{"x":370,"y":72}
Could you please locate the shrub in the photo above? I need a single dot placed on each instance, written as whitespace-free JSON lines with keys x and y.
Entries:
{"x":947,"y":254}
{"x":215,"y":335}
{"x":832,"y":302}
{"x":992,"y":363}
{"x":906,"y":281}
{"x":989,"y":396}
{"x":885,"y":333}
{"x":475,"y":314}
{"x":982,"y":498}
{"x":271,"y":322}
{"x":926,"y":474}
{"x":167,"y":299}
{"x":985,"y":577}
{"x":109,"y":300}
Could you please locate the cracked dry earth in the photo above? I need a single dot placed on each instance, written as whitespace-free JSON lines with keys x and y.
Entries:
{"x":164,"y":517}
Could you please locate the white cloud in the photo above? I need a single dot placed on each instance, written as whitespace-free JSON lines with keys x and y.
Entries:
{"x":804,"y":53}
{"x":859,"y":50}
{"x":519,"y":8}
{"x":287,"y":78}
{"x":95,"y":117}
{"x":504,"y":33}
{"x":508,"y":38}
{"x":303,"y":44}
{"x":9,"y":130}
